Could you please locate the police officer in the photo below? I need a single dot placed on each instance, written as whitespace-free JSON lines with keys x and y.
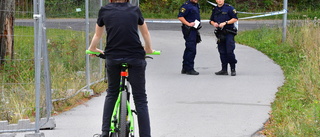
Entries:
{"x":223,"y":18}
{"x":189,"y":14}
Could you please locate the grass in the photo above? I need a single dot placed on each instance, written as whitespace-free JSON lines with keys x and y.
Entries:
{"x":295,"y":110}
{"x":67,"y":65}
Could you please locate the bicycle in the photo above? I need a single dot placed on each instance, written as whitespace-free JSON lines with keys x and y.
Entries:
{"x":122,"y":116}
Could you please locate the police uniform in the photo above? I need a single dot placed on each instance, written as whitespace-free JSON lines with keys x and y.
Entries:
{"x":191,"y":12}
{"x":227,"y":45}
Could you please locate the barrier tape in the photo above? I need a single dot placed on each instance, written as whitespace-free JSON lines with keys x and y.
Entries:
{"x":252,"y":13}
{"x":205,"y":21}
{"x":162,"y":21}
{"x":258,"y":16}
{"x":268,"y":14}
{"x":212,"y":3}
{"x":170,"y":21}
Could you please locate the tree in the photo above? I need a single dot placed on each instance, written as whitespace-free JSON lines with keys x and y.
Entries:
{"x":7,"y":8}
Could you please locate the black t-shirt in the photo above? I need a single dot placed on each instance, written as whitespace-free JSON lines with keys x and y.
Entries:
{"x":121,"y":21}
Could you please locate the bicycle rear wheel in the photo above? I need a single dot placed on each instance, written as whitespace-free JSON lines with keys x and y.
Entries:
{"x":123,"y":114}
{"x":114,"y":135}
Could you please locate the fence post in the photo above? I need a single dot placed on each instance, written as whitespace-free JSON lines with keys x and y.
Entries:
{"x":87,"y":43}
{"x":101,"y":47}
{"x":37,"y":53}
{"x":284,"y":29}
{"x":47,"y":74}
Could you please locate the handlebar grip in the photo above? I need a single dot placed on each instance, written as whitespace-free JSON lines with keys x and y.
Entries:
{"x":91,"y":52}
{"x":156,"y":52}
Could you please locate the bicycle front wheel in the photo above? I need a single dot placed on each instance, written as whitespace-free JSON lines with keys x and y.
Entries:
{"x":123,"y":114}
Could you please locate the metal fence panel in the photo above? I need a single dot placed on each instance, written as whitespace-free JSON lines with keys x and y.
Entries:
{"x":60,"y":37}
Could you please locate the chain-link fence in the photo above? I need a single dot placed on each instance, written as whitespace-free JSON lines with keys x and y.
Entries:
{"x":48,"y":66}
{"x":17,"y":70}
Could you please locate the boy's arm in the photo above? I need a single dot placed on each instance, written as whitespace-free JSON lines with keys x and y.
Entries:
{"x":96,"y":39}
{"x":146,"y":37}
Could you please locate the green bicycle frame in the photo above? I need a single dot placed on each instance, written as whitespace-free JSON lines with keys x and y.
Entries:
{"x":116,"y":110}
{"x":115,"y":114}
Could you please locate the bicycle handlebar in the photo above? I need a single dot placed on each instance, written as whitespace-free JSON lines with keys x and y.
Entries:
{"x":156,"y":52}
{"x":91,"y":52}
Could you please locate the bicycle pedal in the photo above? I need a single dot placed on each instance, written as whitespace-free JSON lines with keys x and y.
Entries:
{"x":97,"y":135}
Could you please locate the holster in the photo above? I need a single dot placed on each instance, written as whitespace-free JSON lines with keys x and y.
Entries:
{"x":198,"y":37}
{"x":232,"y":31}
{"x":186,"y":30}
{"x":220,"y":34}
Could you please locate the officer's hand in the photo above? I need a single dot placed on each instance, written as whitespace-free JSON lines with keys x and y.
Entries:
{"x":191,"y":24}
{"x":216,"y":25}
{"x":221,"y":25}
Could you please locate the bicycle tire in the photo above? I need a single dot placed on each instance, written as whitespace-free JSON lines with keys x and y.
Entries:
{"x":123,"y":114}
{"x":114,"y":135}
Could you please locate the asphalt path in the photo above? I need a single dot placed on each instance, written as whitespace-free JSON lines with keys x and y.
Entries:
{"x":181,"y":105}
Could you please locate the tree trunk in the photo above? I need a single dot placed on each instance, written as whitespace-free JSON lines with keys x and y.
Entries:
{"x":7,"y":9}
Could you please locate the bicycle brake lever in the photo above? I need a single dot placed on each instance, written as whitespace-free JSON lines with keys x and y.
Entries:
{"x":134,"y":111}
{"x":149,"y":57}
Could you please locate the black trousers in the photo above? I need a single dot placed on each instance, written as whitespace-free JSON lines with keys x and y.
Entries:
{"x":190,"y":51}
{"x":137,"y":80}
{"x":226,"y":51}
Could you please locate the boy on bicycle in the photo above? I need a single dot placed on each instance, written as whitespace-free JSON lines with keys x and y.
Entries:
{"x":121,"y":21}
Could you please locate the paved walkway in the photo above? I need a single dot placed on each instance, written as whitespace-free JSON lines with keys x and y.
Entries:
{"x":192,"y":106}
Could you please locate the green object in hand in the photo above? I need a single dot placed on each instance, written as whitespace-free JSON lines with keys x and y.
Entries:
{"x":154,"y":53}
{"x":91,"y":52}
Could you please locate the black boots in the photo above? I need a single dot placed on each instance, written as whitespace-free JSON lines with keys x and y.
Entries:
{"x":224,"y":69}
{"x":222,"y":72}
{"x":192,"y":72}
{"x":233,"y":72}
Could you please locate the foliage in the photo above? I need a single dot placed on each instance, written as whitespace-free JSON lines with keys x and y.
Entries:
{"x":64,"y":8}
{"x":301,"y":5}
{"x":163,"y":8}
{"x":171,"y":6}
{"x":53,"y":8}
